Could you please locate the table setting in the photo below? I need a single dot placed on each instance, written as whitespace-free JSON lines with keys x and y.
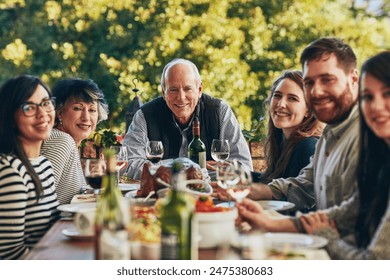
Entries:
{"x":216,"y":233}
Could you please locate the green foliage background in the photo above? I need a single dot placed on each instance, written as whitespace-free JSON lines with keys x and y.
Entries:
{"x":240,"y":46}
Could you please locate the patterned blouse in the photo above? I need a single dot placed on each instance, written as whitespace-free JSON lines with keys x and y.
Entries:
{"x":62,"y":152}
{"x":23,"y":218}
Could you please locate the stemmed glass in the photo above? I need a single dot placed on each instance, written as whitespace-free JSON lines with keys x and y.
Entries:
{"x":227,"y":176}
{"x":241,"y":188}
{"x":93,"y":171}
{"x":154,"y":151}
{"x":220,"y":150}
{"x":121,"y":153}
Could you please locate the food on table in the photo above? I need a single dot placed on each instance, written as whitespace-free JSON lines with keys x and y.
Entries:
{"x":205,"y":203}
{"x":144,"y":226}
{"x":127,"y":180}
{"x":284,"y":255}
{"x":150,"y":183}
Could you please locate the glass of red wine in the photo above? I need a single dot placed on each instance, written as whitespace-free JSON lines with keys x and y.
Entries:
{"x":154,"y":151}
{"x":94,"y":171}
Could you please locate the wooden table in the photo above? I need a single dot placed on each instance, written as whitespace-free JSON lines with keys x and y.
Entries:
{"x":56,"y":246}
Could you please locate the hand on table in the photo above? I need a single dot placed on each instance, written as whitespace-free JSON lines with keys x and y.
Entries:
{"x":317,"y":221}
{"x":211,"y":165}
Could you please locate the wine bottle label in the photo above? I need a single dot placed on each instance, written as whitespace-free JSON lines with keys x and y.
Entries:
{"x":199,"y":158}
{"x":169,"y":246}
{"x":202,"y":159}
{"x":114,"y":245}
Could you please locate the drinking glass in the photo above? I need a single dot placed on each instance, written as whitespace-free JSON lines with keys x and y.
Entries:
{"x":220,"y":150}
{"x":121,"y":153}
{"x":227,"y":176}
{"x":154,"y":151}
{"x":93,"y":171}
{"x":241,"y":188}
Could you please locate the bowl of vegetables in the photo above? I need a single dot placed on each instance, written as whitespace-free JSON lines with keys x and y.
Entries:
{"x":216,"y":224}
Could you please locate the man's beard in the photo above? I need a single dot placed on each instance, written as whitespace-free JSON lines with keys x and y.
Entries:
{"x":343,"y":105}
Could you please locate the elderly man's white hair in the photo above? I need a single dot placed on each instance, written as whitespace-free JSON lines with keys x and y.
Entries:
{"x":175,"y":62}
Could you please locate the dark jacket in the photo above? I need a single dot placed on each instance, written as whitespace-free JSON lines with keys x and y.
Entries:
{"x":161,"y":126}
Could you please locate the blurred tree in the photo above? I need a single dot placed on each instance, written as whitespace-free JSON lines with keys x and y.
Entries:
{"x":240,"y":46}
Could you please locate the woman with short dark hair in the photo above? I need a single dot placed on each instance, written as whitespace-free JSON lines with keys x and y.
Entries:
{"x":80,"y":107}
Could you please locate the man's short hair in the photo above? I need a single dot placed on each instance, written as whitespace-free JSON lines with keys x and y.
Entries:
{"x":346,"y":58}
{"x":179,"y":61}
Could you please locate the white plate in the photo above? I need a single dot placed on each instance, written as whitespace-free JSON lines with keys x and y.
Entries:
{"x":124,"y":187}
{"x":292,"y":241}
{"x":131,"y":194}
{"x":266,"y":204}
{"x":76,"y":207}
{"x":276,"y":205}
{"x":75,"y":234}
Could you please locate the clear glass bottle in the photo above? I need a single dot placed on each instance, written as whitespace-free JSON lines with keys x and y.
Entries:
{"x":176,"y":218}
{"x":111,"y":235}
{"x":196,"y":148}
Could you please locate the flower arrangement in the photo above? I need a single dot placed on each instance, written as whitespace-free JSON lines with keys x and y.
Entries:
{"x":103,"y":138}
{"x":97,"y":141}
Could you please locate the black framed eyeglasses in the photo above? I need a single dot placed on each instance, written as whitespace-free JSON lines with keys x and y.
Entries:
{"x":30,"y":109}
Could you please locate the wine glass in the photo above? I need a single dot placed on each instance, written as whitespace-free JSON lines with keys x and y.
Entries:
{"x":154,"y":151}
{"x":220,"y":150}
{"x":93,"y":172}
{"x":227,"y":176}
{"x":121,"y":153}
{"x":241,"y":188}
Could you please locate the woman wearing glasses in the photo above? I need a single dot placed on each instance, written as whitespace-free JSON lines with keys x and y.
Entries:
{"x":28,"y":200}
{"x":80,"y":106}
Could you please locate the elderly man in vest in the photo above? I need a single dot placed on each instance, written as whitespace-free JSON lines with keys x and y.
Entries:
{"x":168,"y":118}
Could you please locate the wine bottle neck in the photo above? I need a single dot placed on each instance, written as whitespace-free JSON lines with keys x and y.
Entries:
{"x":196,"y":129}
{"x":111,"y":165}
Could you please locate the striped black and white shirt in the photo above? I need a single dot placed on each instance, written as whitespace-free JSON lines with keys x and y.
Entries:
{"x":62,"y":152}
{"x":23,"y":219}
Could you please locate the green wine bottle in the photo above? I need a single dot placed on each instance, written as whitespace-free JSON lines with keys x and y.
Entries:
{"x":176,"y":218}
{"x":111,"y":235}
{"x":196,"y":148}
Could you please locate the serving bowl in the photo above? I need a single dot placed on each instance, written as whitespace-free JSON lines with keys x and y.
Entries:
{"x":216,"y":228}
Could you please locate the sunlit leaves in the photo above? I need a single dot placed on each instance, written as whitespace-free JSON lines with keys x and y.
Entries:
{"x":18,"y":53}
{"x":9,"y":4}
{"x":240,"y":46}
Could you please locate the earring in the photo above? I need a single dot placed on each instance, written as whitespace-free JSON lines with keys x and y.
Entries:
{"x":60,"y":121}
